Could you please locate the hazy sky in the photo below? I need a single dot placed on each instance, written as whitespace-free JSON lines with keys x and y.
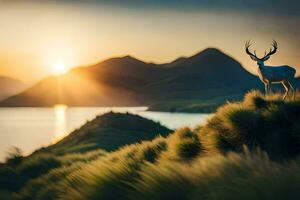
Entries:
{"x":36,"y":35}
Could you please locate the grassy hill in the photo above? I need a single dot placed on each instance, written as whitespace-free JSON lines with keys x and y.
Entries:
{"x":127,"y":81}
{"x":247,"y":150}
{"x":109,"y":132}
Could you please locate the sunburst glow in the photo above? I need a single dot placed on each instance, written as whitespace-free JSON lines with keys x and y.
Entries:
{"x":59,"y":68}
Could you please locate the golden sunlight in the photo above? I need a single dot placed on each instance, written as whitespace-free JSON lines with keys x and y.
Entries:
{"x":59,"y":68}
{"x":60,"y":122}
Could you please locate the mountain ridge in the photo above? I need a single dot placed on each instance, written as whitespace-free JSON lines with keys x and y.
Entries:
{"x":10,"y":86}
{"x":128,"y":81}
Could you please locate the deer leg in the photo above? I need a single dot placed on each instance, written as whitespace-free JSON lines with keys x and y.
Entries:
{"x":266,"y":88}
{"x":287,"y":89}
{"x":269,"y":88}
{"x":292,"y":89}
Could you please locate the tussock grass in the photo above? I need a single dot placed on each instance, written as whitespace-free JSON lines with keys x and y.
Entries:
{"x":235,"y":176}
{"x":184,"y":145}
{"x":266,"y":122}
{"x":14,"y":177}
{"x":46,"y":185}
{"x":255,"y":100}
{"x":248,"y":175}
{"x":14,"y":157}
{"x":247,"y":150}
{"x":36,"y":165}
{"x":151,"y":150}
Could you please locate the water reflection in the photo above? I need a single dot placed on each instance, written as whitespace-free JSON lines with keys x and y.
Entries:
{"x":60,"y":123}
{"x":32,"y":128}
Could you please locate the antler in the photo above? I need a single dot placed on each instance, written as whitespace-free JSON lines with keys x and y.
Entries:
{"x":253,"y":56}
{"x":271,"y":52}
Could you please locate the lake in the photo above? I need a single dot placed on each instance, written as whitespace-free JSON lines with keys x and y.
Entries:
{"x":32,"y":128}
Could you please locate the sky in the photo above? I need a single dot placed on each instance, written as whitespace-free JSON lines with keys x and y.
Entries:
{"x":38,"y":36}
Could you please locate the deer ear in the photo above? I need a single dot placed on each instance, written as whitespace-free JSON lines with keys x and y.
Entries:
{"x":253,"y":58}
{"x":266,"y":58}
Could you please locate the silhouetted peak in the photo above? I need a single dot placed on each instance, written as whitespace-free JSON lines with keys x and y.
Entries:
{"x":124,"y":60}
{"x":210,"y":55}
{"x":130,"y":58}
{"x":210,"y":51}
{"x":178,"y":60}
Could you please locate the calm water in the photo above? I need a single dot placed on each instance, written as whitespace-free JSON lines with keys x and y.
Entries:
{"x":32,"y":128}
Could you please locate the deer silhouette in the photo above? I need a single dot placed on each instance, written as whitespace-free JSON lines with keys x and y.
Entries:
{"x":273,"y":74}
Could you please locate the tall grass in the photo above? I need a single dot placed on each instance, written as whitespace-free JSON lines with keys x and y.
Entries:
{"x":14,"y":156}
{"x":235,"y":176}
{"x":184,"y":145}
{"x":266,"y":122}
{"x":46,"y":185}
{"x":14,"y":177}
{"x":227,"y":158}
{"x":130,"y":176}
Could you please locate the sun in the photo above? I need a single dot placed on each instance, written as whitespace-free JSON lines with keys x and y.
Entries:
{"x":59,"y":68}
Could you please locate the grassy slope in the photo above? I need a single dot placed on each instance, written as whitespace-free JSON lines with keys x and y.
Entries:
{"x":209,"y":162}
{"x":109,"y":132}
{"x":103,"y":134}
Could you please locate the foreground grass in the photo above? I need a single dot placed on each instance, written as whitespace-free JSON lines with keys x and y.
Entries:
{"x":247,"y":150}
{"x":265,"y":122}
{"x":128,"y":174}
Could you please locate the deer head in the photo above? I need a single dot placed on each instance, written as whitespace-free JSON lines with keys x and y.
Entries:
{"x":260,"y":61}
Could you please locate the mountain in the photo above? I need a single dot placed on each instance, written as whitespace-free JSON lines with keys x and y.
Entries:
{"x":127,"y":81}
{"x":204,"y":75}
{"x":10,"y":86}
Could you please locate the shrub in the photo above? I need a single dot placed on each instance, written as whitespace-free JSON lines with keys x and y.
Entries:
{"x":184,"y":144}
{"x":188,"y":149}
{"x":152,"y":150}
{"x":14,"y":156}
{"x":255,"y":100}
{"x":185,"y":133}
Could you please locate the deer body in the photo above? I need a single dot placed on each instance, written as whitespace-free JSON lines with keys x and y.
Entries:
{"x":273,"y":74}
{"x":276,"y":74}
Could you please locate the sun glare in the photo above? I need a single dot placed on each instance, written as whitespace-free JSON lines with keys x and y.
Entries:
{"x":60,"y":122}
{"x":59,"y":68}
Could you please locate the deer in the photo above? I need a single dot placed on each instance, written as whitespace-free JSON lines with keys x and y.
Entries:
{"x":273,"y":74}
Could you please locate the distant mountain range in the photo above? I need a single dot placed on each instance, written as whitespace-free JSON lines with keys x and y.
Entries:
{"x":10,"y":86}
{"x":127,"y":81}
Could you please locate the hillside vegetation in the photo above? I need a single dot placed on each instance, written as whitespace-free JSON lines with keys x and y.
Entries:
{"x":247,"y":150}
{"x":109,"y":132}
